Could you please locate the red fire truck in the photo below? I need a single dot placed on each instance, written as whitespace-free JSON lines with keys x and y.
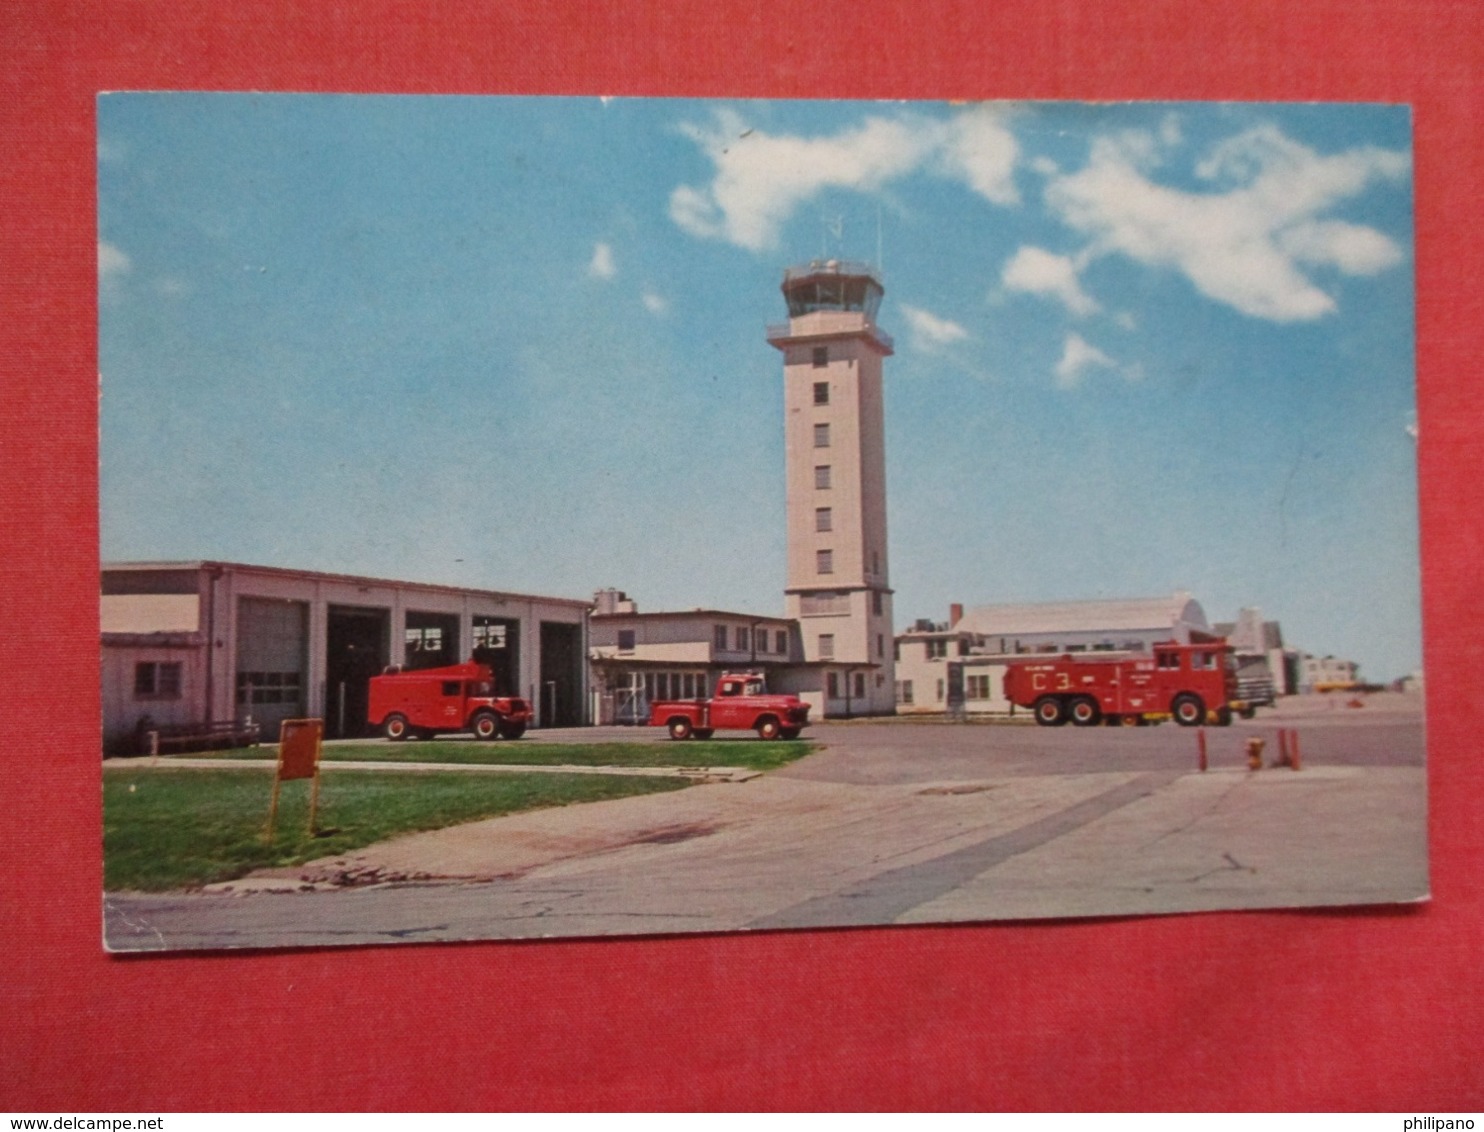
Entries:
{"x":1193,"y":684}
{"x":741,"y":702}
{"x":460,"y":697}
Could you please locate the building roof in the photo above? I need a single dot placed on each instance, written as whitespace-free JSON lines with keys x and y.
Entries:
{"x":681,"y":614}
{"x":353,"y":579}
{"x":1118,"y":615}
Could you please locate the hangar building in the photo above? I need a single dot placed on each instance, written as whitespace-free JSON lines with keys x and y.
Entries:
{"x":190,"y":642}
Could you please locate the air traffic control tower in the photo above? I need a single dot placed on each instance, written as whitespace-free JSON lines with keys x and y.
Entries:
{"x":839,"y":587}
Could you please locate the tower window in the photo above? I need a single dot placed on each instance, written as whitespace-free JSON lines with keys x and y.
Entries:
{"x":823,"y":519}
{"x":821,"y":436}
{"x":824,"y":561}
{"x":821,"y":392}
{"x":822,"y":477}
{"x":880,"y":645}
{"x":626,"y":640}
{"x":821,"y":358}
{"x":876,"y":602}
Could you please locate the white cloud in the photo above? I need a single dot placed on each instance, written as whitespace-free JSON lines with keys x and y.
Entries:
{"x":929,"y":332}
{"x":1078,"y":356}
{"x":601,"y":266}
{"x":1039,"y":272}
{"x":111,"y":262}
{"x":655,"y":304}
{"x":1243,"y":243}
{"x":762,"y":179}
{"x":980,"y":147}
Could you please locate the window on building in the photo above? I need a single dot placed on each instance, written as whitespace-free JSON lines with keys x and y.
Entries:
{"x":821,"y":392}
{"x":626,"y":640}
{"x":157,"y":680}
{"x":860,"y":685}
{"x":904,"y":691}
{"x":896,"y":650}
{"x":823,"y":519}
{"x":428,"y":639}
{"x":742,"y":639}
{"x":826,"y":646}
{"x":937,"y":649}
{"x":822,"y":435}
{"x":940,"y":691}
{"x":822,"y":477}
{"x":721,"y":636}
{"x":832,"y":684}
{"x":268,"y":688}
{"x":976,"y":687}
{"x":489,"y":634}
{"x":821,"y":357}
{"x":824,"y":561}
{"x":876,"y":603}
{"x":963,"y":646}
{"x":880,"y":645}
{"x":780,"y":640}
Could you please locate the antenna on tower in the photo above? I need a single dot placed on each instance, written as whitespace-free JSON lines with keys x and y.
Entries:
{"x":880,"y":266}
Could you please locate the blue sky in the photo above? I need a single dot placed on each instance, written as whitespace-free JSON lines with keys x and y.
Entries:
{"x":519,"y":343}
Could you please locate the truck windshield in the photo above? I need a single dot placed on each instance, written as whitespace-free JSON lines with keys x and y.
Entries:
{"x":754,"y":687}
{"x":481,"y":688}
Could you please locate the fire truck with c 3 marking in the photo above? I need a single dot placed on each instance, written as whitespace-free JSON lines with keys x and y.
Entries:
{"x":1193,"y":684}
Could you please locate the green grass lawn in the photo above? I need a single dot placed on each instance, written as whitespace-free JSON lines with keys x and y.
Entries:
{"x":753,"y":754}
{"x":167,"y":828}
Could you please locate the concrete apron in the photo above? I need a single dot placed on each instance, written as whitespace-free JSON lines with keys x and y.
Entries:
{"x":788,"y":853}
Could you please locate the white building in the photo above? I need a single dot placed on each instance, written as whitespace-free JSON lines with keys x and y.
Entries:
{"x":958,"y":666}
{"x":838,"y":588}
{"x":1327,"y":673}
{"x":637,"y":658}
{"x":193,"y":642}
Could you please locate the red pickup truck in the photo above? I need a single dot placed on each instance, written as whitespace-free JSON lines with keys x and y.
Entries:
{"x":741,"y":702}
{"x":459,"y":697}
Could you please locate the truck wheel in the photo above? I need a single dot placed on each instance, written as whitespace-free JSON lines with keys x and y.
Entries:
{"x":790,"y":732}
{"x":395,"y":728}
{"x":1085,"y":712}
{"x":1050,"y":712}
{"x":1249,"y":712}
{"x":1188,"y":710}
{"x":486,"y":726}
{"x":703,"y":733}
{"x":512,"y":730}
{"x":1223,"y":717}
{"x":768,"y":728}
{"x":680,"y":728}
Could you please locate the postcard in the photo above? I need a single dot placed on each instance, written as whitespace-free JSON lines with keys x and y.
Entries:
{"x":530,"y":517}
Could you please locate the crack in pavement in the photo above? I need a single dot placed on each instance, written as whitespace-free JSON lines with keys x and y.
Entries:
{"x":882,"y":898}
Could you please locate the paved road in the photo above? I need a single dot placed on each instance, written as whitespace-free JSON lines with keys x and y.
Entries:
{"x":889,"y":823}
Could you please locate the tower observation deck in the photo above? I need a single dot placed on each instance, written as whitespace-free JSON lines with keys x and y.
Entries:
{"x":834,"y":436}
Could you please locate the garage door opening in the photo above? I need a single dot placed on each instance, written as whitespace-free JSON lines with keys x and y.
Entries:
{"x":560,"y":692}
{"x":497,"y":644}
{"x":432,"y":640}
{"x":357,"y":647}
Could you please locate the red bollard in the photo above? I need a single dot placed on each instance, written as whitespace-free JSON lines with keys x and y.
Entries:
{"x":1200,"y":737}
{"x":1293,"y":756}
{"x":1283,"y":757}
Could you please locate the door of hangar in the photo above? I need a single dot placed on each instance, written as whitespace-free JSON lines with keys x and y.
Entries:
{"x":496,"y":642}
{"x":272,"y":646}
{"x":432,"y":640}
{"x":560,"y":691}
{"x":357,"y":647}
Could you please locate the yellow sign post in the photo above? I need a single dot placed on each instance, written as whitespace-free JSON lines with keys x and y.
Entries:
{"x":299,"y":743}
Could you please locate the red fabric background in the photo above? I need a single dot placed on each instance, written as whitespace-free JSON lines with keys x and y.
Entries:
{"x":1359,"y":1009}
